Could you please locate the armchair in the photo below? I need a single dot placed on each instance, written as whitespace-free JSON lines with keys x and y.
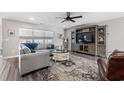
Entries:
{"x":114,"y":69}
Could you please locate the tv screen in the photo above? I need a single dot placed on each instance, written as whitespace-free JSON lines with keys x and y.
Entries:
{"x":87,"y":38}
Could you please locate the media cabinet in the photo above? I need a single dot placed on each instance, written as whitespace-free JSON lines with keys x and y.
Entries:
{"x":89,"y":40}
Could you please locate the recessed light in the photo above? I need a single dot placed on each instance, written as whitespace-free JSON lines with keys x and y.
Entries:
{"x":31,"y":18}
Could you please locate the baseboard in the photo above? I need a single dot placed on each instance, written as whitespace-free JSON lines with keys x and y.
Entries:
{"x":11,"y":57}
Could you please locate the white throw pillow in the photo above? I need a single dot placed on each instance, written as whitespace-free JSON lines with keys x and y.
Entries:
{"x":25,"y":49}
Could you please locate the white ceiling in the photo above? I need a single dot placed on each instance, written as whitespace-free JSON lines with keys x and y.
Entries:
{"x":49,"y":18}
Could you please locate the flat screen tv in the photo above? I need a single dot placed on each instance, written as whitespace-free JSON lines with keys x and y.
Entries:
{"x":88,"y":38}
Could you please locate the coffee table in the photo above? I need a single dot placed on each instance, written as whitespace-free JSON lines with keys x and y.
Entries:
{"x":60,"y":55}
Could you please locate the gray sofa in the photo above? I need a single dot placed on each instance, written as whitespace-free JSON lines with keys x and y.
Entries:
{"x":33,"y":61}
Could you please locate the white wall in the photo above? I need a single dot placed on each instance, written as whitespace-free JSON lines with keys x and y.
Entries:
{"x":68,"y":36}
{"x":114,"y":34}
{"x":10,"y":44}
{"x":57,"y":41}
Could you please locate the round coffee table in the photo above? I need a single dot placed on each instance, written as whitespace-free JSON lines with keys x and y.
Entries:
{"x":60,"y":56}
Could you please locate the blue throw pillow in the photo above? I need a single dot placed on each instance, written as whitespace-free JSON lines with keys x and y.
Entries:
{"x":50,"y":46}
{"x":31,"y":46}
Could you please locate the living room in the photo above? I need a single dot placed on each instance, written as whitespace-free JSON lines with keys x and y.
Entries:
{"x":65,"y":46}
{"x":59,"y":46}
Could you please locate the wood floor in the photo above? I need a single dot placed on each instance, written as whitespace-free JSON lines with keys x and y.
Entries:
{"x":85,"y":69}
{"x":9,"y":70}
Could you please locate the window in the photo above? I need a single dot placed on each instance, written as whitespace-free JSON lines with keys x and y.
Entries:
{"x":49,"y":41}
{"x":49,"y":34}
{"x":25,"y":40}
{"x":25,"y":32}
{"x":22,"y":41}
{"x":35,"y":36}
{"x":40,"y":41}
{"x":38,"y":33}
{"x":29,"y":41}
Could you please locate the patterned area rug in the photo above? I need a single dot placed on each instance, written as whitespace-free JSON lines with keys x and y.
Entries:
{"x":41,"y":75}
{"x":83,"y":70}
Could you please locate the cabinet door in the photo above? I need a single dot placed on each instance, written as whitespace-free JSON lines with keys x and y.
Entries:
{"x":72,"y":47}
{"x":101,"y":44}
{"x":101,"y":50}
{"x":75,"y":47}
{"x":92,"y":49}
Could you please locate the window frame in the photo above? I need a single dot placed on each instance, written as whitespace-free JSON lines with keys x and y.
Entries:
{"x":34,"y":37}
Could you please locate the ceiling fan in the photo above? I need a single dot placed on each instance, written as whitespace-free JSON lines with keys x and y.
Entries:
{"x":69,"y":18}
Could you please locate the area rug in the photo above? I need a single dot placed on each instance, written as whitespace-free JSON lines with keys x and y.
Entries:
{"x":68,"y":63}
{"x":83,"y":70}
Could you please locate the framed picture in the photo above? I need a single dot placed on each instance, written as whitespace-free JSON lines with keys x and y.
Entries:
{"x":11,"y":33}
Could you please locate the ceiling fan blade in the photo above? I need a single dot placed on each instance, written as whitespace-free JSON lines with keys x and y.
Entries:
{"x":72,"y":20}
{"x":60,"y":17}
{"x":68,"y":14}
{"x":76,"y":17}
{"x":63,"y":21}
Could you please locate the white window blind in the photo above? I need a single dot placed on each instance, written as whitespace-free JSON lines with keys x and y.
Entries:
{"x":35,"y":36}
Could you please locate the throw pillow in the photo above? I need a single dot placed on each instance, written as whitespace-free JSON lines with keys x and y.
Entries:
{"x":24,"y":49}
